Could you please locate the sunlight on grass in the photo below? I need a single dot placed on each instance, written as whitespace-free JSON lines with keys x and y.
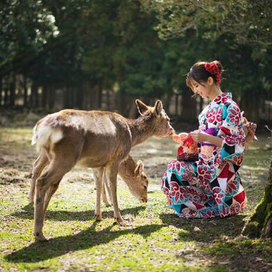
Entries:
{"x":155,"y":239}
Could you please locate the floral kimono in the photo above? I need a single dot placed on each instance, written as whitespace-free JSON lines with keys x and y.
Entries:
{"x":211,"y":186}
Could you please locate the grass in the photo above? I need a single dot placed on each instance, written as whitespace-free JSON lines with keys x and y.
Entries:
{"x":155,"y":239}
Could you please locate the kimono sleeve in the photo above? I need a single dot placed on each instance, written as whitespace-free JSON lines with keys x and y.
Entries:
{"x":232,"y":133}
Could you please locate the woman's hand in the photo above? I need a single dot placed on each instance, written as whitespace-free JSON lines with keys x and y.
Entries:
{"x":198,"y":136}
{"x":179,"y":138}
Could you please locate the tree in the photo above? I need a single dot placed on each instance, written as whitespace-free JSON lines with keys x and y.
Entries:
{"x":240,"y":28}
{"x":247,"y":20}
{"x":260,"y":222}
{"x":25,"y":28}
{"x":113,"y":47}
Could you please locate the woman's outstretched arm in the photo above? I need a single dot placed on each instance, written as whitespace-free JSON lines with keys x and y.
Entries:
{"x":199,"y":136}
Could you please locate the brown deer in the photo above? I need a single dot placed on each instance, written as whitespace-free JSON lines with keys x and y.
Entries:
{"x":97,"y":139}
{"x":132,"y":174}
{"x":130,"y":171}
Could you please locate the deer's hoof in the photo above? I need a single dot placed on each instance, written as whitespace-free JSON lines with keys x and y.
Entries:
{"x":120,"y":222}
{"x":39,"y":237}
{"x":98,"y":217}
{"x":107,"y":204}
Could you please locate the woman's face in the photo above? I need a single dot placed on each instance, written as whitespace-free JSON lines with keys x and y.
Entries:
{"x":202,"y":89}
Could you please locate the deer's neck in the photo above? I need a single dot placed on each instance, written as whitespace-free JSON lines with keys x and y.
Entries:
{"x":140,"y":129}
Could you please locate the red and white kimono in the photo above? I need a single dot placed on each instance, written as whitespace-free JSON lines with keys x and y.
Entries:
{"x":211,"y":186}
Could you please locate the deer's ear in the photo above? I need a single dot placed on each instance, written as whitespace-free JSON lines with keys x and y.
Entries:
{"x":141,"y":106}
{"x":158,"y":107}
{"x":139,"y":168}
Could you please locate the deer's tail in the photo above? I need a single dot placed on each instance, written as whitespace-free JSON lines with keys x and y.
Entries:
{"x":44,"y":135}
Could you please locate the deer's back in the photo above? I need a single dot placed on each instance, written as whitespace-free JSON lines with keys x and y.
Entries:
{"x":103,"y":135}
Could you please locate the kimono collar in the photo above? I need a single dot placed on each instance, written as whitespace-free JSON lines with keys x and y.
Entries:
{"x":222,"y":97}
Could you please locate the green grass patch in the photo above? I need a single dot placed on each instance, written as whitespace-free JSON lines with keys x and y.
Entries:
{"x":155,"y":239}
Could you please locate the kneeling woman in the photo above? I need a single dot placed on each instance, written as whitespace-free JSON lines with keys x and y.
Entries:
{"x":211,"y":185}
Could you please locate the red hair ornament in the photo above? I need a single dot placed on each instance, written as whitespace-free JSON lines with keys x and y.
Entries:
{"x":213,"y":69}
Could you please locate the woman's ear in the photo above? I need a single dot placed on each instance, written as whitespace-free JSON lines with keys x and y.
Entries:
{"x":210,"y":81}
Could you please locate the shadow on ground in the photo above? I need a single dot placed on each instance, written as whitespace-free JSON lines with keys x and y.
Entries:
{"x":40,"y":251}
{"x":28,"y":213}
{"x":202,"y":230}
{"x":219,"y":242}
{"x":205,"y":230}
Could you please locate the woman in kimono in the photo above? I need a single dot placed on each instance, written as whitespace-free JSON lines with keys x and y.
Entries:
{"x":210,"y":186}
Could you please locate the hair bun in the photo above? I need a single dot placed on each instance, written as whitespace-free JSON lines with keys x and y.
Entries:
{"x":219,"y":65}
{"x":214,"y":68}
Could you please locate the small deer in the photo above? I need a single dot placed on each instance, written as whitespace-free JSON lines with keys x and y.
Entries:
{"x":96,"y":139}
{"x":130,"y":171}
{"x":132,"y":174}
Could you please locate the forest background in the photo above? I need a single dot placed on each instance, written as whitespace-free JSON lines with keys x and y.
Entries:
{"x":91,"y":54}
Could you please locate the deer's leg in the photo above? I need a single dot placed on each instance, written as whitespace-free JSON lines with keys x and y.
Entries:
{"x":38,"y":167}
{"x":108,"y":188}
{"x":48,"y":181}
{"x":50,"y":191}
{"x":104,"y":194}
{"x":111,"y":174}
{"x":98,"y":173}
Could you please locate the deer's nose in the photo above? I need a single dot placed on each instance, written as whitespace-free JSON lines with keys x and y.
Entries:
{"x":144,"y":199}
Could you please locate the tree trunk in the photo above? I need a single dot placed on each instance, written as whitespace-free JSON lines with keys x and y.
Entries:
{"x":25,"y":91}
{"x":68,"y":99}
{"x":125,"y":105}
{"x":51,"y":97}
{"x":1,"y":87}
{"x":133,"y":111}
{"x":34,"y":100}
{"x":93,"y":96}
{"x":117,"y":102}
{"x":99,"y":96}
{"x":12,"y":90}
{"x":176,"y":104}
{"x":250,"y":106}
{"x":260,"y":222}
{"x":44,"y":97}
{"x":79,"y":93}
{"x":188,"y":108}
{"x":108,"y":99}
{"x":6,"y":93}
{"x":167,"y":101}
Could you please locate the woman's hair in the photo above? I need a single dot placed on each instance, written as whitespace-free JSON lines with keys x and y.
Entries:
{"x":201,"y":71}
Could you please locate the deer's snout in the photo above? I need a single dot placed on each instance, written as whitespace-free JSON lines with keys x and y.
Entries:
{"x":171,"y":130}
{"x":144,"y":199}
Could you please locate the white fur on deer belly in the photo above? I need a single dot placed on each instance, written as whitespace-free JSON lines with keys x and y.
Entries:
{"x":95,"y":124}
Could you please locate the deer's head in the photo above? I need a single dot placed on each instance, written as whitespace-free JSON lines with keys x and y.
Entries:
{"x":156,"y":117}
{"x":138,"y":182}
